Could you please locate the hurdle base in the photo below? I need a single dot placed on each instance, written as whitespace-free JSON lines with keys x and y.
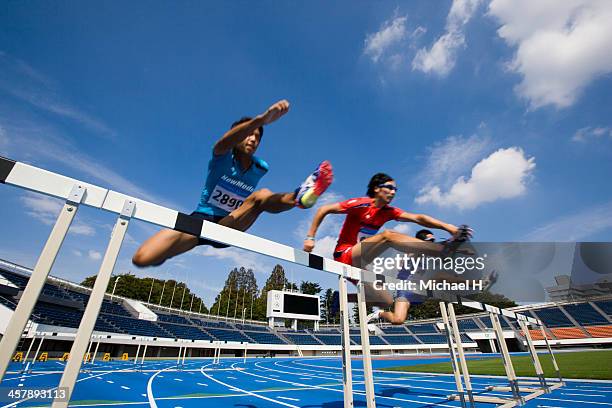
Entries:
{"x":502,"y":402}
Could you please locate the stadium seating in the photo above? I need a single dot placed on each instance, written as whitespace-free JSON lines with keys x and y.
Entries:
{"x":553,"y":317}
{"x":264,"y":338}
{"x":486,"y":321}
{"x":185,"y":332}
{"x":162,"y":317}
{"x":423,"y":328}
{"x":374,"y":340}
{"x":394,"y":330}
{"x":302,"y":339}
{"x":468,"y":325}
{"x":605,"y":305}
{"x":568,"y":333}
{"x":330,"y":339}
{"x":600,"y":331}
{"x":585,"y":314}
{"x":401,"y":339}
{"x":227,"y":334}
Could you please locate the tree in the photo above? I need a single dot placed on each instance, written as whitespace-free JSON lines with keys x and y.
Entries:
{"x":310,"y":288}
{"x":326,"y":306}
{"x":237,"y":294}
{"x":132,"y":287}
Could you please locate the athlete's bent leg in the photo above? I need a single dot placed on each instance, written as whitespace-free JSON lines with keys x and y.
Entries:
{"x":163,"y":245}
{"x":399,"y":314}
{"x":258,"y":202}
{"x":368,"y":249}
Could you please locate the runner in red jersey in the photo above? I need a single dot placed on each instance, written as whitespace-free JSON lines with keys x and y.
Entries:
{"x":364,"y":217}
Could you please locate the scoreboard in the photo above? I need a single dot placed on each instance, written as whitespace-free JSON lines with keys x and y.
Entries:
{"x":290,"y":305}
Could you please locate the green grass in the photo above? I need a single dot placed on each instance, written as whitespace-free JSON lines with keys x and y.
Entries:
{"x":584,"y":364}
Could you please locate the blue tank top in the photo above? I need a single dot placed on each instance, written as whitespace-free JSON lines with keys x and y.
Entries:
{"x":227,"y":185}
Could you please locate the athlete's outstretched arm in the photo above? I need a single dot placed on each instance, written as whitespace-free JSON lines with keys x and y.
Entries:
{"x":321,"y":213}
{"x":237,"y":134}
{"x":427,"y":221}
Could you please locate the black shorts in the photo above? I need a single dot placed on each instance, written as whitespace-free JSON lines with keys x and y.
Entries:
{"x":211,"y":218}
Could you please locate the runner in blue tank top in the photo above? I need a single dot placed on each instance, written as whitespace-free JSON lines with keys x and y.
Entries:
{"x":230,"y":196}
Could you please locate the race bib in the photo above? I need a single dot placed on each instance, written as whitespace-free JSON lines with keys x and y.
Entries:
{"x":226,"y":198}
{"x":365,"y":232}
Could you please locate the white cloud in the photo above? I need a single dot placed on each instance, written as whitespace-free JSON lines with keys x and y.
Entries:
{"x":452,"y":157}
{"x":37,"y":140}
{"x":391,"y":33}
{"x":441,"y":57}
{"x":590,"y":133}
{"x":403,"y":228}
{"x":237,"y":256}
{"x":23,"y":82}
{"x":561,"y":46}
{"x":325,"y":246}
{"x":46,"y":209}
{"x":76,"y":252}
{"x":576,"y":227}
{"x":94,"y":255}
{"x":502,"y":175}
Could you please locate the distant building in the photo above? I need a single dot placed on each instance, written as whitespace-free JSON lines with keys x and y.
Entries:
{"x":566,"y":290}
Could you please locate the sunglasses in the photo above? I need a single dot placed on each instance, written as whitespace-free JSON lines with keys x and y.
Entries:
{"x":388,"y":186}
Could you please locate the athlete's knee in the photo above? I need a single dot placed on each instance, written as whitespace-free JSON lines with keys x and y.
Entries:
{"x":389,"y":236}
{"x":396,"y":319}
{"x":258,"y":197}
{"x":142,"y":257}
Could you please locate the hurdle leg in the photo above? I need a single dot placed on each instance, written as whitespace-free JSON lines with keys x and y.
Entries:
{"x":144,"y":353}
{"x":28,"y":299}
{"x":506,"y":359}
{"x":94,"y":304}
{"x":534,"y":356}
{"x":178,"y":356}
{"x":347,"y":374}
{"x":93,"y":358}
{"x":38,"y":349}
{"x":246,"y":347}
{"x":88,"y":354}
{"x":466,"y":374}
{"x":365,"y":345}
{"x":27,"y":354}
{"x":137,"y":352}
{"x":552,"y":355}
{"x":184,"y":355}
{"x":453,"y":356}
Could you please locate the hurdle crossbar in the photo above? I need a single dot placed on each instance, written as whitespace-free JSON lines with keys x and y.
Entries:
{"x":76,"y":192}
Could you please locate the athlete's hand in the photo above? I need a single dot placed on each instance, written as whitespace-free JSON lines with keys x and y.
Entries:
{"x":275,"y":111}
{"x":309,"y":245}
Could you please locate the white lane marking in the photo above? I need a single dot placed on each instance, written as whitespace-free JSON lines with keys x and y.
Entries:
{"x":261,"y":381}
{"x":110,"y":382}
{"x":150,"y":397}
{"x":178,"y":379}
{"x":286,"y":398}
{"x":583,"y":395}
{"x":125,"y":388}
{"x":340,"y":390}
{"x":245,"y":391}
{"x":231,"y":378}
{"x":144,"y":395}
{"x":202,"y":384}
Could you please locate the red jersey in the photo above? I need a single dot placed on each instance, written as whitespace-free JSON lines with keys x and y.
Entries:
{"x":363,"y":219}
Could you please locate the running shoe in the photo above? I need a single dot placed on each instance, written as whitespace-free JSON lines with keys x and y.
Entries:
{"x":311,"y":189}
{"x":373,"y":316}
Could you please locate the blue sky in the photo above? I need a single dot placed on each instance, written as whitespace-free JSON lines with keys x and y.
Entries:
{"x":491,"y":113}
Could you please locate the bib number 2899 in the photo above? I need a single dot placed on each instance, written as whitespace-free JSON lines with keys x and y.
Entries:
{"x":225,"y":200}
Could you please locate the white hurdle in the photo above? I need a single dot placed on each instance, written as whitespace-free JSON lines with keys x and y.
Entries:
{"x":76,"y":193}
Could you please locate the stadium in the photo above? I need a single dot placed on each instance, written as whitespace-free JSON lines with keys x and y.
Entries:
{"x":316,"y":204}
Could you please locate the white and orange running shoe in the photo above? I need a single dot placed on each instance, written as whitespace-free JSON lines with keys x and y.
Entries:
{"x":314,"y":186}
